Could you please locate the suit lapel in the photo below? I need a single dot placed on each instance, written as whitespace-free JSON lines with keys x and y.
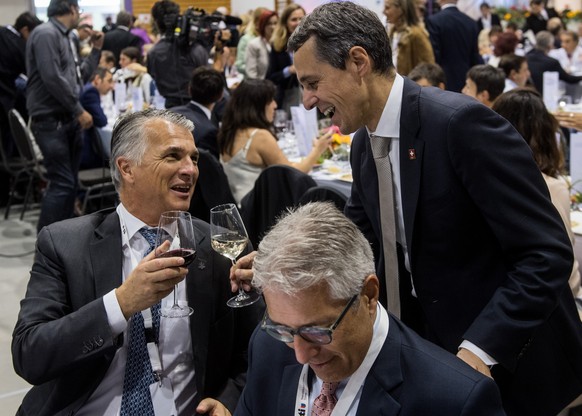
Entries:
{"x":381,"y":388}
{"x":411,"y":154}
{"x":106,"y":255}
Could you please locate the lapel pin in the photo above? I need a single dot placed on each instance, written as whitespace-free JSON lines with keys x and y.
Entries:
{"x":201,"y":264}
{"x":411,"y":154}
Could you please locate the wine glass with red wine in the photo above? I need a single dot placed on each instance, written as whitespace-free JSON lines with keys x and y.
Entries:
{"x":176,"y":227}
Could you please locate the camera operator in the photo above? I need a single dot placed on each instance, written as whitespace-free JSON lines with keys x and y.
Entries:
{"x":171,"y":61}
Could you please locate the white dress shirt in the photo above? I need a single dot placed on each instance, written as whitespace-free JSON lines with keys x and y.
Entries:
{"x":175,"y":341}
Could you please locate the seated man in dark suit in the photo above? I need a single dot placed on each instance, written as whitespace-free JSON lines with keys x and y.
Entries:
{"x":101,"y":83}
{"x":487,"y":19}
{"x":316,"y":270}
{"x":93,"y":281}
{"x":206,"y":88}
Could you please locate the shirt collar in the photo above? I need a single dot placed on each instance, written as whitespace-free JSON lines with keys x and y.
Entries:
{"x":389,"y":123}
{"x":132,"y":223}
{"x":204,"y":109}
{"x":16,"y":32}
{"x":448,"y":5}
{"x":60,"y":26}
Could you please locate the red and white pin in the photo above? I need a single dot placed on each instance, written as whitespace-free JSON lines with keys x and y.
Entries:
{"x":411,"y":154}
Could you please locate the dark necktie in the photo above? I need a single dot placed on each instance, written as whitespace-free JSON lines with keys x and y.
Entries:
{"x":324,"y":403}
{"x":136,"y":399}
{"x":380,"y":151}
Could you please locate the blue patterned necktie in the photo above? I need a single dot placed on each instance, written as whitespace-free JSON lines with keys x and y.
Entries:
{"x":136,"y":399}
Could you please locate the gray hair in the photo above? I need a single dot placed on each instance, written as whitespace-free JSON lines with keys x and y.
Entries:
{"x":130,"y":137}
{"x":337,"y":28}
{"x":312,"y":245}
{"x":544,"y":41}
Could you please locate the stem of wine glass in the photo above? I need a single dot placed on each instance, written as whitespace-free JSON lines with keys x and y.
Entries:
{"x":175,"y":305}
{"x":241,"y":293}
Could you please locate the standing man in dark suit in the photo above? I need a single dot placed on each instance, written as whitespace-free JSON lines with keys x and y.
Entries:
{"x":453,"y":36}
{"x":483,"y":256}
{"x":325,"y":329}
{"x":119,"y":38}
{"x":90,"y":280}
{"x":538,"y":17}
{"x":487,"y":19}
{"x":206,"y":88}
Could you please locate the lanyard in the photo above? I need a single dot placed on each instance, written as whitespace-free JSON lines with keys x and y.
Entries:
{"x":153,"y":350}
{"x":357,"y":379}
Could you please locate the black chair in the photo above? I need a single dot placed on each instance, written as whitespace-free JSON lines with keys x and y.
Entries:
{"x":97,"y":182}
{"x":32,"y":162}
{"x":212,"y":187}
{"x":277,"y":188}
{"x":324,"y":193}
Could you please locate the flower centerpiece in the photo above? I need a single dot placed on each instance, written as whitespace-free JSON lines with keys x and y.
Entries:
{"x":512,"y":14}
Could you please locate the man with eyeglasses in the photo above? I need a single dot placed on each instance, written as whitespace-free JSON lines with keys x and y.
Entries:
{"x":346,"y":354}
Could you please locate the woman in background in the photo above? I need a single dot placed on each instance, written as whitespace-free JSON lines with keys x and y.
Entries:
{"x":281,"y":68}
{"x":246,"y":141}
{"x":250,"y":32}
{"x":525,"y":110}
{"x":258,"y":49}
{"x":410,"y":43}
{"x":134,"y":74}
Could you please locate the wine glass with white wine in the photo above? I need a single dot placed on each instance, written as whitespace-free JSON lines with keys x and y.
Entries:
{"x":229,"y":238}
{"x":176,"y":227}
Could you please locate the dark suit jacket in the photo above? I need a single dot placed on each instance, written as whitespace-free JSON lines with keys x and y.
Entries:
{"x":536,"y":23}
{"x":453,"y":36}
{"x":91,"y":101}
{"x":117,"y":39}
{"x":410,"y":377}
{"x":489,"y":255}
{"x":205,"y":130}
{"x":538,"y":63}
{"x":278,"y":61}
{"x":62,"y":342}
{"x":494,"y":22}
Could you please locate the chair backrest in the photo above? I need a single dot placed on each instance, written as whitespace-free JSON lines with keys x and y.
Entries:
{"x":22,"y":136}
{"x":212,"y":187}
{"x":277,"y":188}
{"x":324,"y":193}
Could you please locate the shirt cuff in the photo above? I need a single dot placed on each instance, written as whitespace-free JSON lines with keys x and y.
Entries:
{"x":117,"y":321}
{"x":286,"y":72}
{"x":486,"y":358}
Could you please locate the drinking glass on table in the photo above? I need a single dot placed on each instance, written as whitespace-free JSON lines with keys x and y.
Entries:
{"x":229,"y":238}
{"x":176,"y":227}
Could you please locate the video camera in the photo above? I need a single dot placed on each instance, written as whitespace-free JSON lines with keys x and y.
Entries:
{"x":195,"y":25}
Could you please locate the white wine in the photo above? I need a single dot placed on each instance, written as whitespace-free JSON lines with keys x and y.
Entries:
{"x":229,"y":244}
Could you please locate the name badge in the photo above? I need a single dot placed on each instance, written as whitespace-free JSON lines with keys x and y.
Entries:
{"x":163,"y":398}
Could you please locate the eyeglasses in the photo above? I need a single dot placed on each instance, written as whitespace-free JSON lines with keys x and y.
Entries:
{"x":314,"y":334}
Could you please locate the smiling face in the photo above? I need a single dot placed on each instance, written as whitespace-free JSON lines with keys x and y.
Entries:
{"x":294,"y":20}
{"x":350,"y":341}
{"x":339,"y":94}
{"x":165,"y":179}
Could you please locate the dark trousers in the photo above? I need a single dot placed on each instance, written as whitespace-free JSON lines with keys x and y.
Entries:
{"x":61,"y":144}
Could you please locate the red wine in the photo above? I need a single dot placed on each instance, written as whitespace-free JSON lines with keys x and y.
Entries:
{"x":186,"y":253}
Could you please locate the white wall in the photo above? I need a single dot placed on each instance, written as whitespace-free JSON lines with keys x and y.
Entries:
{"x":10,"y":9}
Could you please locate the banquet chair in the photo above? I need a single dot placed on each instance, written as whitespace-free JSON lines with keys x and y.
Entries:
{"x":324,"y":193}
{"x":277,"y":188}
{"x":97,"y":182}
{"x":32,"y":167}
{"x":212,"y":187}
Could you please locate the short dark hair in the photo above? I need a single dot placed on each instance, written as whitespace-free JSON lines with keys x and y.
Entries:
{"x":132,"y":53}
{"x":123,"y":19}
{"x":108,"y":56}
{"x":206,"y":85}
{"x":433,"y":73}
{"x":99,"y":72}
{"x":28,"y":20}
{"x":487,"y":78}
{"x":339,"y":26}
{"x":161,"y":11}
{"x":60,"y":7}
{"x":511,"y":62}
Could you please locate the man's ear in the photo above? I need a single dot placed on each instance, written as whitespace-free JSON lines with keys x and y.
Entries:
{"x":125,"y":168}
{"x":359,"y":59}
{"x":483,"y":96}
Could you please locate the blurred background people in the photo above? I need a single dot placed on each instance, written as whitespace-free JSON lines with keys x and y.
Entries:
{"x":134,"y":75}
{"x":246,"y":140}
{"x":259,"y":48}
{"x":484,"y":83}
{"x":250,"y":32}
{"x":410,"y":43}
{"x":525,"y":109}
{"x":428,"y":75}
{"x":487,"y":19}
{"x":504,"y":44}
{"x":516,"y":71}
{"x":109,"y":25}
{"x":569,"y":54}
{"x":121,"y":37}
{"x":281,"y":69}
{"x":537,"y":20}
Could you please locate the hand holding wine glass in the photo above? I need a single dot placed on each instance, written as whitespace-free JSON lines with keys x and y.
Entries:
{"x":176,"y":228}
{"x":229,"y":238}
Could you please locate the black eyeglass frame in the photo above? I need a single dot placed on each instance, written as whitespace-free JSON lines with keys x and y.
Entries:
{"x":275,"y":330}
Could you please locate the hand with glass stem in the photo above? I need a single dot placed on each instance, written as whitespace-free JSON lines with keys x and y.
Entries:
{"x":241,"y":273}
